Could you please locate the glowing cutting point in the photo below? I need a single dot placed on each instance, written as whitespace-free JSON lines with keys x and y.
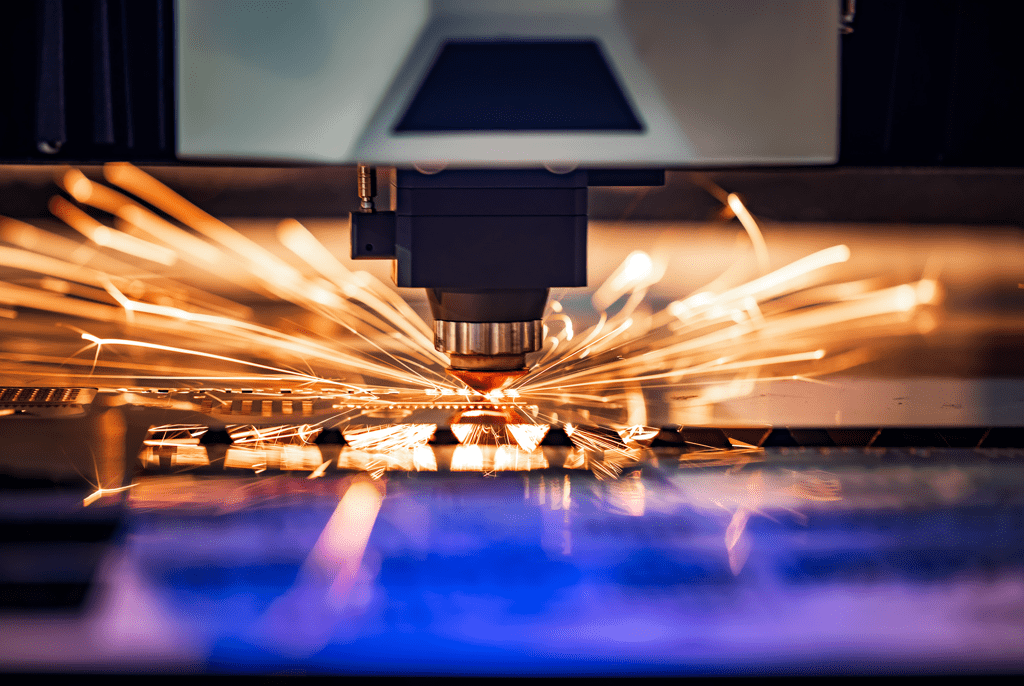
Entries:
{"x":487,"y":382}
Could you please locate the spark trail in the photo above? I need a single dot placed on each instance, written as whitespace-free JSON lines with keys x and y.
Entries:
{"x":116,"y":282}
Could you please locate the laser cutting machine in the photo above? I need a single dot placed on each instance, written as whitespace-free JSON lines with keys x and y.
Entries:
{"x":465,"y":145}
{"x":498,"y":117}
{"x":527,"y":104}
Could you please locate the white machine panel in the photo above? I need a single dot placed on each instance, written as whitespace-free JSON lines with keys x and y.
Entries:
{"x":712,"y":83}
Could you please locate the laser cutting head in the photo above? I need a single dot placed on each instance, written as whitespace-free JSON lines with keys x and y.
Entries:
{"x":487,"y":245}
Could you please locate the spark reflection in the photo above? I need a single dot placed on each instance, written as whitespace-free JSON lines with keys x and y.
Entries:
{"x":324,"y":593}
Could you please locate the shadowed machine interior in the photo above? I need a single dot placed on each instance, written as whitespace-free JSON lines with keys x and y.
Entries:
{"x":544,"y":338}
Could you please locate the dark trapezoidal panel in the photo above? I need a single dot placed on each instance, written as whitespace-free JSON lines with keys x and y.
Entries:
{"x":519,"y":86}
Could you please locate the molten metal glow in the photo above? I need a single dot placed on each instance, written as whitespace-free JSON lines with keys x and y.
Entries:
{"x":527,"y":436}
{"x":510,"y":459}
{"x":387,"y":439}
{"x":468,"y":458}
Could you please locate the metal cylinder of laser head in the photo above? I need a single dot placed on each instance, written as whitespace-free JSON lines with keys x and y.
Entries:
{"x":487,"y":338}
{"x":366,"y":180}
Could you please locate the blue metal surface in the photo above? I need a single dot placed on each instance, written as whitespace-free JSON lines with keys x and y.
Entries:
{"x":910,"y":569}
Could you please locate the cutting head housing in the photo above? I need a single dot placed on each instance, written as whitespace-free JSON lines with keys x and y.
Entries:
{"x":487,"y":245}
